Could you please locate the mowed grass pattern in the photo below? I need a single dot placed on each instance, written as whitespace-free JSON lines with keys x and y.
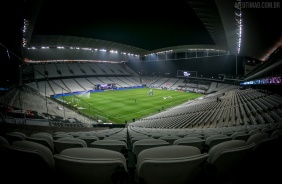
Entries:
{"x":119,"y":106}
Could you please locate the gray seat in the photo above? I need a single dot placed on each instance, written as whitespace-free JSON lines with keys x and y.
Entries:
{"x":208,"y":134}
{"x":277,"y":132}
{"x":117,"y":137}
{"x":44,"y":133}
{"x":169,"y":139}
{"x":227,"y":132}
{"x":227,"y":159}
{"x":194,"y":135}
{"x":3,"y":151}
{"x":29,"y":159}
{"x":257,"y":137}
{"x":266,"y":155}
{"x":109,"y":144}
{"x":143,"y":144}
{"x":137,"y":138}
{"x":88,"y":139}
{"x":190,"y":141}
{"x":240,"y":136}
{"x":91,"y":165}
{"x":169,"y":164}
{"x":43,"y":139}
{"x":251,"y":132}
{"x":68,"y":142}
{"x":15,"y":136}
{"x":214,"y":140}
{"x":157,"y":135}
{"x":3,"y":141}
{"x":61,"y":135}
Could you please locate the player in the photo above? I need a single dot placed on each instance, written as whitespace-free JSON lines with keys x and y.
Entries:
{"x":151,"y":92}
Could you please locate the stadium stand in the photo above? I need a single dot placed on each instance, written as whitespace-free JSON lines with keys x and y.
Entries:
{"x":229,"y":133}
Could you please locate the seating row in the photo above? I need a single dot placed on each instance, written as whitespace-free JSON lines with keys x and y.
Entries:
{"x":178,"y":164}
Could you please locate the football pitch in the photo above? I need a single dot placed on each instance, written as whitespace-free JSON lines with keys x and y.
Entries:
{"x":120,"y":106}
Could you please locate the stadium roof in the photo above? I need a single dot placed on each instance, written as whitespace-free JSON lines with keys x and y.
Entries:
{"x":145,"y":26}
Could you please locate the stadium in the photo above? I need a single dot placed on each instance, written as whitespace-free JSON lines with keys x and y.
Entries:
{"x":187,"y":91}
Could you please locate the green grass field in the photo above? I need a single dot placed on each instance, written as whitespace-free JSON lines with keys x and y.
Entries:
{"x":118,"y":106}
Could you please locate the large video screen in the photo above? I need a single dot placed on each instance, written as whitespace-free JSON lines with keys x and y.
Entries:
{"x":105,"y":86}
{"x":186,"y":73}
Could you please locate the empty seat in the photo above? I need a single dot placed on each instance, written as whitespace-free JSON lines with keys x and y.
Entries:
{"x":194,"y":135}
{"x":3,"y":152}
{"x":157,"y":135}
{"x":15,"y":136}
{"x":214,"y":140}
{"x":169,"y":164}
{"x":227,"y":132}
{"x":3,"y":141}
{"x":43,"y":139}
{"x":91,"y":165}
{"x":137,"y":138}
{"x":76,"y":134}
{"x":251,"y":132}
{"x":190,"y":141}
{"x":30,"y":161}
{"x":277,"y":132}
{"x":68,"y":142}
{"x":44,"y":133}
{"x":116,"y":137}
{"x":208,"y":134}
{"x":240,"y":136}
{"x":265,"y":160}
{"x":269,"y":147}
{"x":169,"y":139}
{"x":255,"y":138}
{"x":88,"y":139}
{"x":267,"y":129}
{"x":61,"y":135}
{"x":226,"y":160}
{"x":110,"y":144}
{"x":143,"y":144}
{"x":100,"y":136}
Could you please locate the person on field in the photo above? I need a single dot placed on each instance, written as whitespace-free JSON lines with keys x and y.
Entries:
{"x":151,"y":92}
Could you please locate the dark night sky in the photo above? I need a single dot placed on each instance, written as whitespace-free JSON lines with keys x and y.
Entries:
{"x":261,"y":29}
{"x":142,"y":24}
{"x":151,"y":24}
{"x":11,"y":15}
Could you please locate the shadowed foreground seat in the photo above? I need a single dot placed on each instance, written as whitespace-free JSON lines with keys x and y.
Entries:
{"x":173,"y":164}
{"x":109,"y":144}
{"x":190,"y":141}
{"x":88,"y":139}
{"x":68,"y":142}
{"x":266,"y":160}
{"x":240,"y":136}
{"x":226,"y":160}
{"x":169,"y":139}
{"x":214,"y":140}
{"x":257,"y":137}
{"x":277,"y":132}
{"x":31,"y":162}
{"x":117,"y":137}
{"x":143,"y":144}
{"x":91,"y":165}
{"x":43,"y":139}
{"x":139,"y":137}
{"x":15,"y":136}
